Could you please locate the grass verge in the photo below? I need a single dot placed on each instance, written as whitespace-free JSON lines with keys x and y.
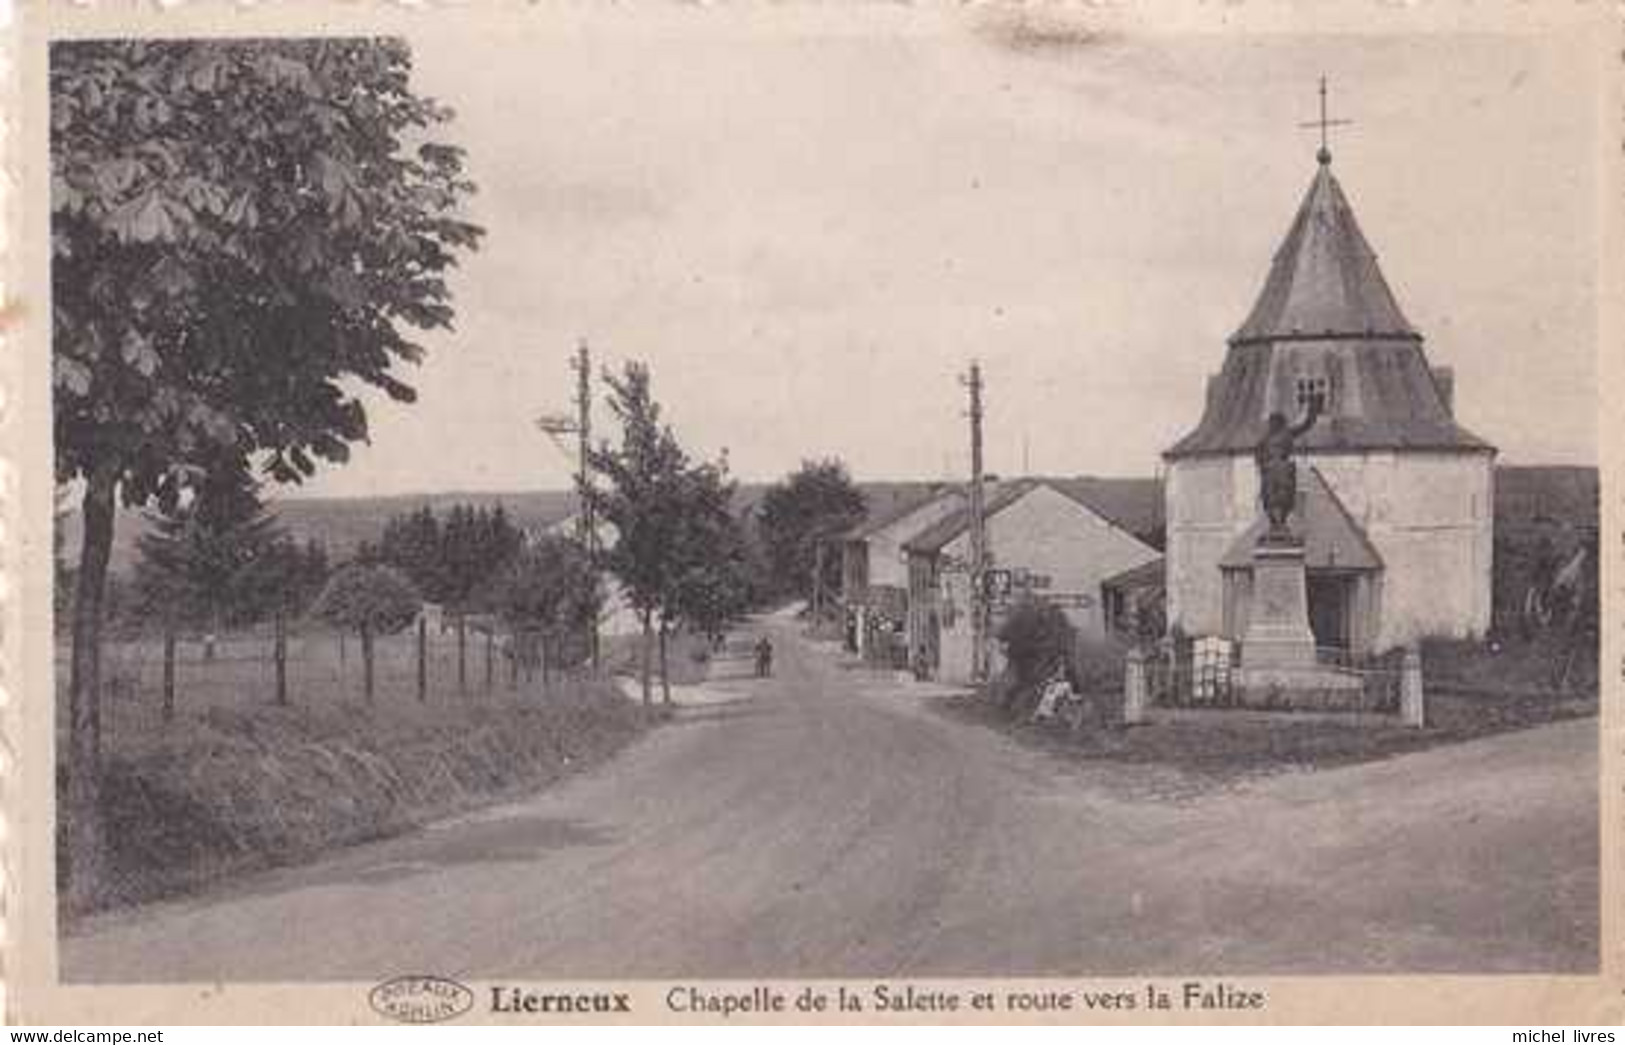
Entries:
{"x":231,"y":790}
{"x":1185,"y":758}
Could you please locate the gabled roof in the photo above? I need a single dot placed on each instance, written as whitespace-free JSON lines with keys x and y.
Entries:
{"x":1324,"y":280}
{"x":1084,"y":491}
{"x":1152,"y":574}
{"x":937,"y":536}
{"x":1331,"y":538}
{"x":1133,"y":504}
{"x":897,"y":509}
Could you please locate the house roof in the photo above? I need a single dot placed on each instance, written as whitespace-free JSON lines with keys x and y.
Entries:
{"x":938,"y":535}
{"x":1326,"y":311}
{"x":1085,"y":491}
{"x":1152,"y":574}
{"x":1134,"y":504}
{"x":1331,"y":538}
{"x":897,"y":508}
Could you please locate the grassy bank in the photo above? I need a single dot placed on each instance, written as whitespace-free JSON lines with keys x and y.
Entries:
{"x":234,"y":789}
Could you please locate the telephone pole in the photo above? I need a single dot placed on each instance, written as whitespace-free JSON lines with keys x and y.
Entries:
{"x":587,"y":517}
{"x":978,"y":531}
{"x":557,"y":427}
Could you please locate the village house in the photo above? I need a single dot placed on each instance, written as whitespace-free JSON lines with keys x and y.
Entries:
{"x":874,"y":572}
{"x":1044,"y":540}
{"x":1395,"y":498}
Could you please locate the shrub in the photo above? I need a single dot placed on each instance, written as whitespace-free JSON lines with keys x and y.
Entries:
{"x":1036,"y":636}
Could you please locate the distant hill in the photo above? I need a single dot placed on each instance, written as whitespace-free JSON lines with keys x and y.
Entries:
{"x":342,"y":523}
{"x":1525,"y":496}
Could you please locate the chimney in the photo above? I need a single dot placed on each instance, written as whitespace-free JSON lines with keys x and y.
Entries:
{"x":1444,"y":378}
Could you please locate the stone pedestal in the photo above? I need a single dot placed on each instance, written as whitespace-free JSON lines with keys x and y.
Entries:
{"x":1278,"y":636}
{"x":1278,"y":663}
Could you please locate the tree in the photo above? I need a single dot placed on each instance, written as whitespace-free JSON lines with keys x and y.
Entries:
{"x":644,"y":502}
{"x":545,"y":591}
{"x":291,"y":576}
{"x":243,"y":234}
{"x":370,"y":600}
{"x":451,"y":562}
{"x":412,"y":544}
{"x":708,"y":571}
{"x":206,"y":564}
{"x":799,"y":518}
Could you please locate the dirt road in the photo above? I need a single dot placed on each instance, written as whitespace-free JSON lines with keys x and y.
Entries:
{"x":826,"y":823}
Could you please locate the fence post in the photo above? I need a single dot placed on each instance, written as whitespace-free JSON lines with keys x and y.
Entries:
{"x":462,"y":652}
{"x":1134,"y":687}
{"x":490,"y":657}
{"x":280,"y":654}
{"x":423,"y":658}
{"x":169,"y":674}
{"x":1412,"y":706}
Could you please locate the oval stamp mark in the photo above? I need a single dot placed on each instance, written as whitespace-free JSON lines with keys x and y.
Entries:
{"x":420,"y":999}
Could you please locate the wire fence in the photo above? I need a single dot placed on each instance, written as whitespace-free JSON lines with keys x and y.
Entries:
{"x":143,"y":685}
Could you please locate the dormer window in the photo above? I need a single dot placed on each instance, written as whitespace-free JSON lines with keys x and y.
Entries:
{"x":1316,"y":391}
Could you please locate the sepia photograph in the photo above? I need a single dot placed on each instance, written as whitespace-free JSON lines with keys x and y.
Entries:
{"x":620,"y":496}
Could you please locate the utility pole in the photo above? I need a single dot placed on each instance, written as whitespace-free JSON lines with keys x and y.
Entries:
{"x":587,"y":517}
{"x":557,"y":427}
{"x":978,"y":531}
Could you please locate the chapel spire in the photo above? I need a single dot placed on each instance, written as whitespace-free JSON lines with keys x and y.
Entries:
{"x":1324,"y":281}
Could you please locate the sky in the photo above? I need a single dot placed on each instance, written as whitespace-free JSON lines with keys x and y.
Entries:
{"x":808,"y":230}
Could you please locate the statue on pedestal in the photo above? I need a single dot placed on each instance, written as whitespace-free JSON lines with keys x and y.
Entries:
{"x":1277,"y":474}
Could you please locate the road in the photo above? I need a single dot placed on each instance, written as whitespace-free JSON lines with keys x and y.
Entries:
{"x":827,"y":823}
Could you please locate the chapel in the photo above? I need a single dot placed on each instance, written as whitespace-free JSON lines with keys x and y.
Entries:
{"x":1394,"y":505}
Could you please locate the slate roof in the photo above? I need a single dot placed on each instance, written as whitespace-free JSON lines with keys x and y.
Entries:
{"x":941,"y":533}
{"x":899,"y":507}
{"x":1331,"y":538}
{"x":1325,"y":296}
{"x":1142,"y":497}
{"x":1151,"y":574}
{"x":1324,"y":280}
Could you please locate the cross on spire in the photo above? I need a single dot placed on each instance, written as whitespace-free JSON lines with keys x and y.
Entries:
{"x":1324,"y":155}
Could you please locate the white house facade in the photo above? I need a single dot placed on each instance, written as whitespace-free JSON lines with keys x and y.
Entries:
{"x":1042,"y":543}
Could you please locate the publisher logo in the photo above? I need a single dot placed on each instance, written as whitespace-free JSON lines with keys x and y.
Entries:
{"x":420,"y":999}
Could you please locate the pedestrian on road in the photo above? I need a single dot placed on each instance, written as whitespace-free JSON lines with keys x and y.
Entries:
{"x":764,"y":657}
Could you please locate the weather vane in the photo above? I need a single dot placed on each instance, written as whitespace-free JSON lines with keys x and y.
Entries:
{"x":1325,"y":123}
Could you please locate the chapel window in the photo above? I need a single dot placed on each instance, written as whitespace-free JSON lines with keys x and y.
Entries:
{"x":1316,"y":390}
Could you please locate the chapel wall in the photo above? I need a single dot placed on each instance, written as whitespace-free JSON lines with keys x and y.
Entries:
{"x":1431,"y":518}
{"x":1429,"y":515}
